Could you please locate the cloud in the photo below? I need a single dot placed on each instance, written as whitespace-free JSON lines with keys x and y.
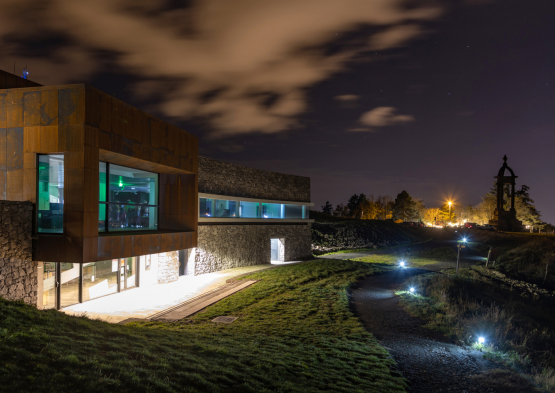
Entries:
{"x":360,"y":129}
{"x":245,"y":50}
{"x":384,"y":116}
{"x":232,"y":148}
{"x":347,"y":97}
{"x":394,"y":36}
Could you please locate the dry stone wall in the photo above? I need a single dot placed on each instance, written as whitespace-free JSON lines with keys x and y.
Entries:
{"x":336,"y":236}
{"x":18,"y":273}
{"x":222,"y":178}
{"x":228,"y":246}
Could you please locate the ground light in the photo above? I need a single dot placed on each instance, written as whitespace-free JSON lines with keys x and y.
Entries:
{"x":402,"y":264}
{"x":464,"y":239}
{"x":411,"y":289}
{"x":481,"y":340}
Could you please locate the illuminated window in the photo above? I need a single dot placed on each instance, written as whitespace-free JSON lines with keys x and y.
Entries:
{"x":128,"y":199}
{"x":50,"y":209}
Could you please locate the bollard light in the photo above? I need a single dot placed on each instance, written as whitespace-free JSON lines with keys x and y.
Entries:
{"x":481,"y":340}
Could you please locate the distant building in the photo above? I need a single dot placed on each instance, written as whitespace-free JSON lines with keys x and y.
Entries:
{"x":99,"y":197}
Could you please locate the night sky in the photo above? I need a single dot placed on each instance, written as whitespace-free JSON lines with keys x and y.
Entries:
{"x":372,"y":96}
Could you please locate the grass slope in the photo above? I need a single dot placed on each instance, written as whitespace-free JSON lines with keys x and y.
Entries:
{"x":295,"y":333}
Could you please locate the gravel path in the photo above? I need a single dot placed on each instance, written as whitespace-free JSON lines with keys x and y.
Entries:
{"x":430,"y":361}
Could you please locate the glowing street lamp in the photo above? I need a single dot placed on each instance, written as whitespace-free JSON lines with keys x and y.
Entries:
{"x":449,"y":203}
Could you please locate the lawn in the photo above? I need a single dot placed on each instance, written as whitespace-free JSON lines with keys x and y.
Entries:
{"x":396,"y":259}
{"x":295,"y":333}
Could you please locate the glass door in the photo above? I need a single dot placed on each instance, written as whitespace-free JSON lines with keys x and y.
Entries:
{"x":127,"y":273}
{"x":49,"y":285}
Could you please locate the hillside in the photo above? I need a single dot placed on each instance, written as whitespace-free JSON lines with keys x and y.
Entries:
{"x":330,"y":234}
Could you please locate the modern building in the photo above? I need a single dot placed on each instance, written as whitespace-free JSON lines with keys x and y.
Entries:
{"x":100,"y":197}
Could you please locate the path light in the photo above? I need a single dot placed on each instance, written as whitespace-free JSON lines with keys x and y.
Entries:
{"x":402,"y":263}
{"x":464,"y":239}
{"x":411,"y":289}
{"x":481,"y":340}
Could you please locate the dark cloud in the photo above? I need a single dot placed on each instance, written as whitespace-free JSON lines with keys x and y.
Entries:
{"x":234,"y":47}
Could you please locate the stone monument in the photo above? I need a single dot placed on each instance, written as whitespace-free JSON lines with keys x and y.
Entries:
{"x":505,"y":220}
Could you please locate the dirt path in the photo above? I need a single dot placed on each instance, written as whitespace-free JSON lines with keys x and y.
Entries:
{"x":430,"y":361}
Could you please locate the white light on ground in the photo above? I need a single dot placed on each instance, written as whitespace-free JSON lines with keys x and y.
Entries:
{"x":464,"y":239}
{"x":481,"y":340}
{"x":402,"y":264}
{"x":411,"y":290}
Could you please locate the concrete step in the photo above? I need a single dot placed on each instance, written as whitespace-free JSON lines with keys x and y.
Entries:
{"x":200,"y":302}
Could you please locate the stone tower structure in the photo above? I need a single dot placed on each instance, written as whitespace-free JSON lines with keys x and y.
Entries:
{"x":505,"y":220}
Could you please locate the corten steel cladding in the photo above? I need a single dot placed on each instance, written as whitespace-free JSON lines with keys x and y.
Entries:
{"x":88,"y":126}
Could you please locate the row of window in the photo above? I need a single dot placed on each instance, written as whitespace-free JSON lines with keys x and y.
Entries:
{"x":65,"y":284}
{"x":217,"y":208}
{"x":128,"y":200}
{"x":128,"y":197}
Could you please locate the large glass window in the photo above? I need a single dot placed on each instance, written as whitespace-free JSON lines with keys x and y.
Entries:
{"x":272,"y":210}
{"x":249,"y":209}
{"x":128,"y":199}
{"x":69,"y":284}
{"x":50,"y":187}
{"x":49,"y":285}
{"x":99,"y":279}
{"x":206,"y":208}
{"x":294,"y":211}
{"x":223,"y":208}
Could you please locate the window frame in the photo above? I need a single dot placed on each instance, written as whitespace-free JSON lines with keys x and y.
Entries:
{"x":107,"y":202}
{"x":304,"y":212}
{"x":37,"y":191}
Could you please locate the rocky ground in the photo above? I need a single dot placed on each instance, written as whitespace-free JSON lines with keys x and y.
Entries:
{"x":429,"y":361}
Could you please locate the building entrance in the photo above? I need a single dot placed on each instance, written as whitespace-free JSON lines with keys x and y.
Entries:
{"x":277,"y":250}
{"x":127,"y":273}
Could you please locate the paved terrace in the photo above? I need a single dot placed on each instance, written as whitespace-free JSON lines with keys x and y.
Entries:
{"x":145,"y":301}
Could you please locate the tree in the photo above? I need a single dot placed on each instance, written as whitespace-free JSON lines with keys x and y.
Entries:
{"x":327,"y":208}
{"x":526,"y":210}
{"x":431,"y":215}
{"x":404,"y":207}
{"x":354,"y":205}
{"x":420,"y":209}
{"x":444,"y":213}
{"x":484,"y":210}
{"x":341,"y":211}
{"x":384,"y":207}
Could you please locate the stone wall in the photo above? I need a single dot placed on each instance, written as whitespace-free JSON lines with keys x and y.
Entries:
{"x":168,"y":267}
{"x":223,"y":247}
{"x":336,"y":236}
{"x":222,"y":178}
{"x":18,"y":273}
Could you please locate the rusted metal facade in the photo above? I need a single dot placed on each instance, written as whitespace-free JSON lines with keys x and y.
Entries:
{"x":88,"y":126}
